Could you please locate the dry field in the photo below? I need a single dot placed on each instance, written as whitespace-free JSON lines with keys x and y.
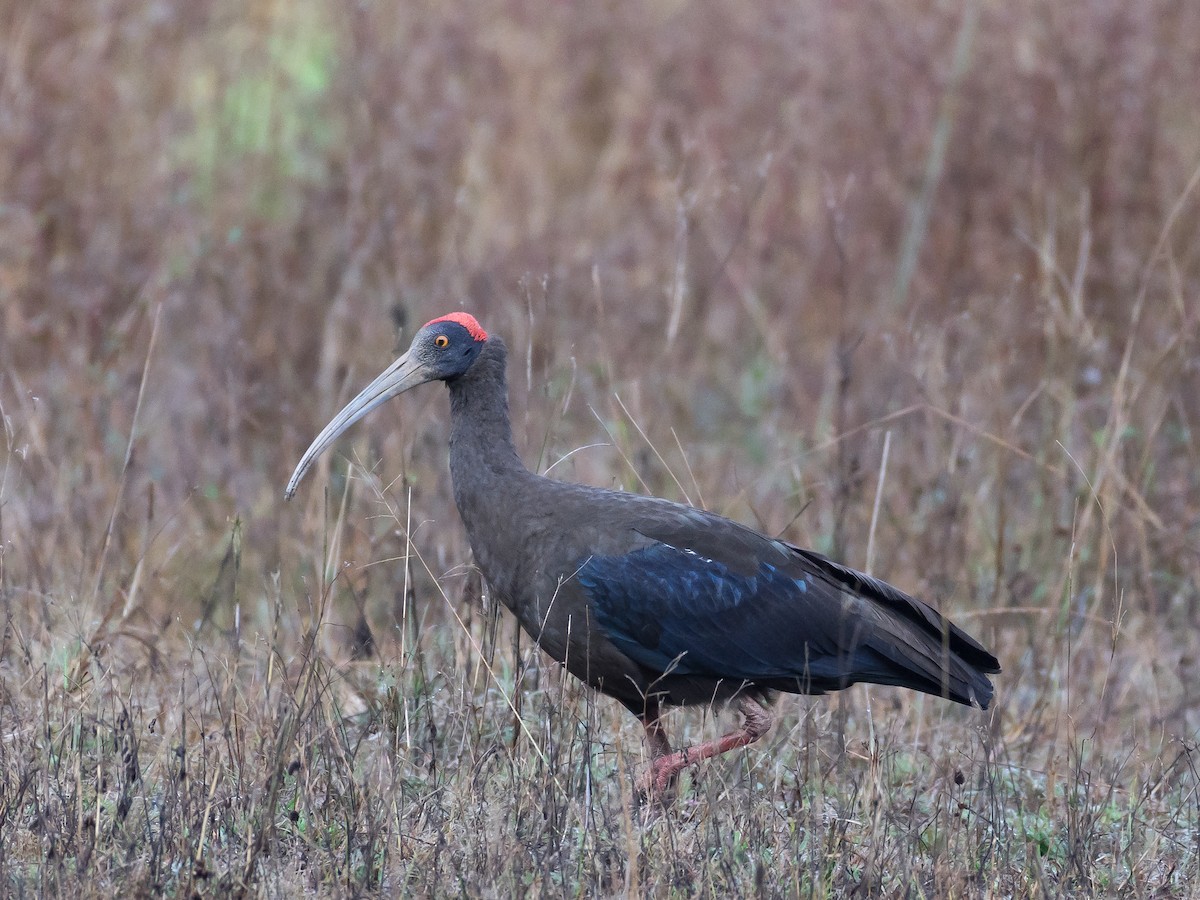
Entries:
{"x":914,"y":284}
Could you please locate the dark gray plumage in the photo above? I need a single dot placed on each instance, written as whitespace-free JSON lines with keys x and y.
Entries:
{"x":655,"y":603}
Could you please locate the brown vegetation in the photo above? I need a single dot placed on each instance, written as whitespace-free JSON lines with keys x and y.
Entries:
{"x":737,"y":250}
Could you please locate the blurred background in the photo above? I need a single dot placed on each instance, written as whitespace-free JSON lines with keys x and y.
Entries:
{"x":735,"y":249}
{"x":766,"y":228}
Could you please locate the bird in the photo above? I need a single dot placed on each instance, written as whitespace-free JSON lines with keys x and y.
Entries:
{"x":654,"y":603}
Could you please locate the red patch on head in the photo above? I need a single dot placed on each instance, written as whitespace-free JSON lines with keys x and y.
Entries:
{"x":466,"y":320}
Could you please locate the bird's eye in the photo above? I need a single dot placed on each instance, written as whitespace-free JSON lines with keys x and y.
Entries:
{"x":441,"y":341}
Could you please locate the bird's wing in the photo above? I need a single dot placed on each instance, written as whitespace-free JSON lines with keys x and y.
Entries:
{"x":718,"y":600}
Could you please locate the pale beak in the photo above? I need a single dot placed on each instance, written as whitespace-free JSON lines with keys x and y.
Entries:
{"x":405,"y":373}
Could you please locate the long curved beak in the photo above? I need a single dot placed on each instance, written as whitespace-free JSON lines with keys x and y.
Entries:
{"x":405,"y":373}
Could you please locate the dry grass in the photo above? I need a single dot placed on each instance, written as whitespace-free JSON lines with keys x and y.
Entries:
{"x":734,"y":247}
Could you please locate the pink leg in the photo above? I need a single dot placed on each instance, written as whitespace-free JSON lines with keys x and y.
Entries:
{"x":665,"y":764}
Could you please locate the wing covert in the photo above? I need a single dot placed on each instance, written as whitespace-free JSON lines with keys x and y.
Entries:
{"x":672,"y":609}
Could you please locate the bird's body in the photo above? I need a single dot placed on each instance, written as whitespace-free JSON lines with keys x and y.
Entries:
{"x":657,"y":603}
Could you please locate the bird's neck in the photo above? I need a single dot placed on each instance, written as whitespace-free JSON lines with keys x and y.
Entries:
{"x":482,"y":453}
{"x":491,"y":483}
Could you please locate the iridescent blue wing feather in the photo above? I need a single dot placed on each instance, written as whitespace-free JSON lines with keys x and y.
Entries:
{"x":740,"y":606}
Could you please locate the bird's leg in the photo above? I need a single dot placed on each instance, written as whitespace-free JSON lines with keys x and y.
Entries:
{"x":666,"y":765}
{"x":649,"y":784}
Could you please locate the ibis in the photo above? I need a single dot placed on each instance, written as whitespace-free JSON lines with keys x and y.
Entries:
{"x":655,"y":603}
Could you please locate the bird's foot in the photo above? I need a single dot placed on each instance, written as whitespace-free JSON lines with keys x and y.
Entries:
{"x":658,"y":783}
{"x":655,"y":788}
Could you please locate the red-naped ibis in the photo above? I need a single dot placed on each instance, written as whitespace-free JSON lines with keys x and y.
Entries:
{"x":652,"y":602}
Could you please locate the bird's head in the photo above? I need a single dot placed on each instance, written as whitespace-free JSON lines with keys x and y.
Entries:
{"x":442,"y":350}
